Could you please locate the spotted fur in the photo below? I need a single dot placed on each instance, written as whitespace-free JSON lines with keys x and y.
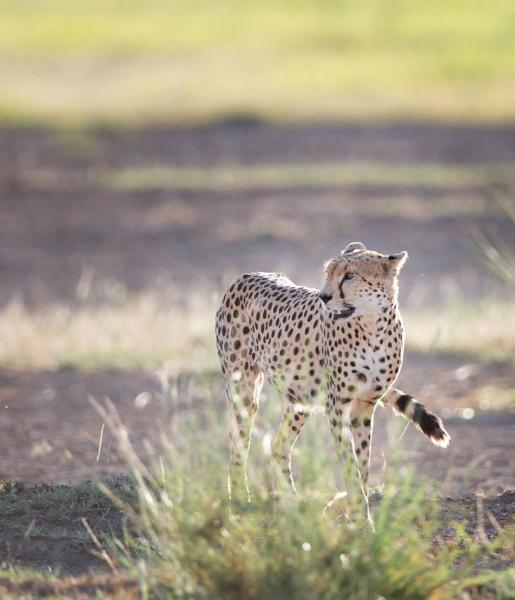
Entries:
{"x":342,"y":345}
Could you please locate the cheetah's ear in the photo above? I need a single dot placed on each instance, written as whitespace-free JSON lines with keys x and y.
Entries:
{"x":352,"y":247}
{"x":397,"y":261}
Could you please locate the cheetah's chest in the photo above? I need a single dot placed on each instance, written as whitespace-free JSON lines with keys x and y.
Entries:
{"x":363,"y":363}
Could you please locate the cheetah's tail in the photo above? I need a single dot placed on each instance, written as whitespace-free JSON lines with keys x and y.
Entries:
{"x":424,"y":420}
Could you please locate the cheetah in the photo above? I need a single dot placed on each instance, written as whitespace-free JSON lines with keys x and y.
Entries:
{"x":342,"y":345}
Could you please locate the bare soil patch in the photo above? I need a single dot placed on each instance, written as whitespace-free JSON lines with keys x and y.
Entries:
{"x":52,"y":433}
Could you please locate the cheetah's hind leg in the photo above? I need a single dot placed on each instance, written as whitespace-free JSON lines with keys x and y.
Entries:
{"x":242,"y":390}
{"x":294,"y":419}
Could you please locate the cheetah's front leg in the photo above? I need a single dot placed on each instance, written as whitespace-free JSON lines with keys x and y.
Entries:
{"x":362,"y":415}
{"x":340,"y":415}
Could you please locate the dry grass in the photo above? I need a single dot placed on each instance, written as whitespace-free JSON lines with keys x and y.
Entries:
{"x":140,"y":331}
{"x":485,"y":329}
{"x":148,"y":330}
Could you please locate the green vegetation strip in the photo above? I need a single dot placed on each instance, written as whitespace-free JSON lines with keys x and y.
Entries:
{"x":233,"y":177}
{"x":152,"y":60}
{"x":310,"y":175}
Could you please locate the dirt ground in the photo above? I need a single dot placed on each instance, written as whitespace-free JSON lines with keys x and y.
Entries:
{"x":51,"y":433}
{"x":184,"y":239}
{"x":53,"y":227}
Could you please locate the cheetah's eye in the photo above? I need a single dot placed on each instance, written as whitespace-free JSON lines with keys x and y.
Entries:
{"x":349,"y":275}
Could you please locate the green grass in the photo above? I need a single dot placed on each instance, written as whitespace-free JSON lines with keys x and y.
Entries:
{"x":44,"y":535}
{"x":134,"y":60}
{"x":278,"y":550}
{"x":56,"y":502}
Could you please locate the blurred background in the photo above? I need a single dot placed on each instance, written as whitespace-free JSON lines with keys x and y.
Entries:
{"x":150,"y":151}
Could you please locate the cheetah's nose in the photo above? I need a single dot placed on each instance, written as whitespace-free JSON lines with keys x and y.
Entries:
{"x":324,"y":297}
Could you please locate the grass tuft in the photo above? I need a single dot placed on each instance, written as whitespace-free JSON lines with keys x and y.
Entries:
{"x":192,"y":543}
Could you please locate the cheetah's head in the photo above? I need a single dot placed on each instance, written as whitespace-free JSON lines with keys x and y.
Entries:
{"x":361,"y":281}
